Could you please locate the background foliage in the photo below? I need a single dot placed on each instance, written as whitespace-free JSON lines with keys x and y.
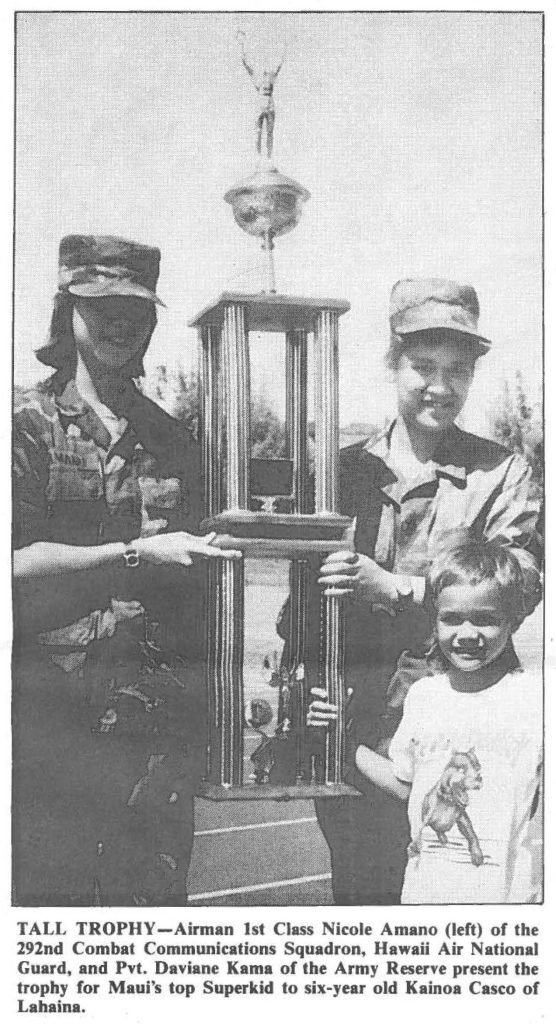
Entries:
{"x":516,"y":423}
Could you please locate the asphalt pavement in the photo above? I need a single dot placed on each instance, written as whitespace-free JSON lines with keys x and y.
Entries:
{"x":265,"y":853}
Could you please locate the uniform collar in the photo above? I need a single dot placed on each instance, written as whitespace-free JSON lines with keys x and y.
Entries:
{"x":73,"y":408}
{"x":448,"y":459}
{"x":148,"y":425}
{"x":114,"y":422}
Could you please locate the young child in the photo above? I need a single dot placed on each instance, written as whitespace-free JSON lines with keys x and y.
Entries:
{"x":468,"y":749}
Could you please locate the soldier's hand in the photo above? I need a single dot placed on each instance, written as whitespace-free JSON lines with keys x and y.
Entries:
{"x":180,"y":548}
{"x":321,"y":711}
{"x":347,"y":573}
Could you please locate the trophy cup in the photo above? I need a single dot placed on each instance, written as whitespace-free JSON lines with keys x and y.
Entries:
{"x":259,"y":746}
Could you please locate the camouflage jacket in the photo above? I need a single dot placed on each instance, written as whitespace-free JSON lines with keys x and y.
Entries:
{"x":73,"y":486}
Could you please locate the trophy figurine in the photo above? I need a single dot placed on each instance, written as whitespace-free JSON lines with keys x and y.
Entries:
{"x":259,"y":745}
{"x":266,"y":204}
{"x":264,"y":84}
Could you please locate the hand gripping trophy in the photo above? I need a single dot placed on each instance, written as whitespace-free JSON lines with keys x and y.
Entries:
{"x":264,"y":84}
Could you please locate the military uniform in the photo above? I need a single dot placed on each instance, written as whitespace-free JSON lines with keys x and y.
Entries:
{"x":108,"y":678}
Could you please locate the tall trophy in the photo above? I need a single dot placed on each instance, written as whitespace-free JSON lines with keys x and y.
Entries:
{"x":282,"y":517}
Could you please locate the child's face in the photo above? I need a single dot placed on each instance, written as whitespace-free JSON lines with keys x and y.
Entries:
{"x":472,"y":625}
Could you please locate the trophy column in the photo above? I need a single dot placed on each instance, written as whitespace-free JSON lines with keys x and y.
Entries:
{"x":210,"y":419}
{"x":244,"y":760}
{"x":331,"y":658}
{"x":209,"y":337}
{"x":296,"y":433}
{"x":226,"y":413}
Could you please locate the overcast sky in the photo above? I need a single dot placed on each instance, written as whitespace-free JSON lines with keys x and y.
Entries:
{"x":418,"y":136}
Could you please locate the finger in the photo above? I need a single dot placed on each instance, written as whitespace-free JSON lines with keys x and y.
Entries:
{"x":212,"y":550}
{"x":341,"y":556}
{"x":340,"y":580}
{"x":200,"y":543}
{"x":338,"y":569}
{"x":319,"y":691}
{"x":323,"y":707}
{"x":331,"y":568}
{"x":184,"y":559}
{"x":205,"y":546}
{"x":208,"y":551}
{"x":350,"y":579}
{"x":344,"y":582}
{"x":338,"y":592}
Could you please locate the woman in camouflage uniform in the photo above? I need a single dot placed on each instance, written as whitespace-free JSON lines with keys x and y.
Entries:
{"x":108,"y":603}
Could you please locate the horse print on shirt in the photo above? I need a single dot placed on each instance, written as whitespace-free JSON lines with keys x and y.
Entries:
{"x":445,"y":804}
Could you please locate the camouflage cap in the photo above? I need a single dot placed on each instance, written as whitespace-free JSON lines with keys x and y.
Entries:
{"x":432,"y":304}
{"x":93,"y":266}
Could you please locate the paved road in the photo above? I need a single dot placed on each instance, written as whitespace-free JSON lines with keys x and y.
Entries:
{"x":266,"y":853}
{"x":273,"y":854}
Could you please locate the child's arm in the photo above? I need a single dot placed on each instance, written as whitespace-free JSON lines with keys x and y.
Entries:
{"x":379,"y":770}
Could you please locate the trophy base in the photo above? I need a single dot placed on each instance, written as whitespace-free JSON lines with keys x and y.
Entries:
{"x":303,"y":791}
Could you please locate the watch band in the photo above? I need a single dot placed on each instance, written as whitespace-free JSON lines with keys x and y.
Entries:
{"x":131,"y":558}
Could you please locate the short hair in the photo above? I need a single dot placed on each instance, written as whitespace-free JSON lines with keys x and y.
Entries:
{"x":402,"y":343}
{"x":514,"y":571}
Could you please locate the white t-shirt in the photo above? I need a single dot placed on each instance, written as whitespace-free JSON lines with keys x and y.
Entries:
{"x":473,"y":761}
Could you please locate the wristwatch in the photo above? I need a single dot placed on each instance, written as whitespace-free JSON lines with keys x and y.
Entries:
{"x":405,"y":594}
{"x":131,"y":558}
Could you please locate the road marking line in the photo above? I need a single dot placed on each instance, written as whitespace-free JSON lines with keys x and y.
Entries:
{"x":257,"y":888}
{"x":248,"y":828}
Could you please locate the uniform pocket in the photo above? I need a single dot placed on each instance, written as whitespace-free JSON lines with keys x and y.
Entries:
{"x":74,"y":476}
